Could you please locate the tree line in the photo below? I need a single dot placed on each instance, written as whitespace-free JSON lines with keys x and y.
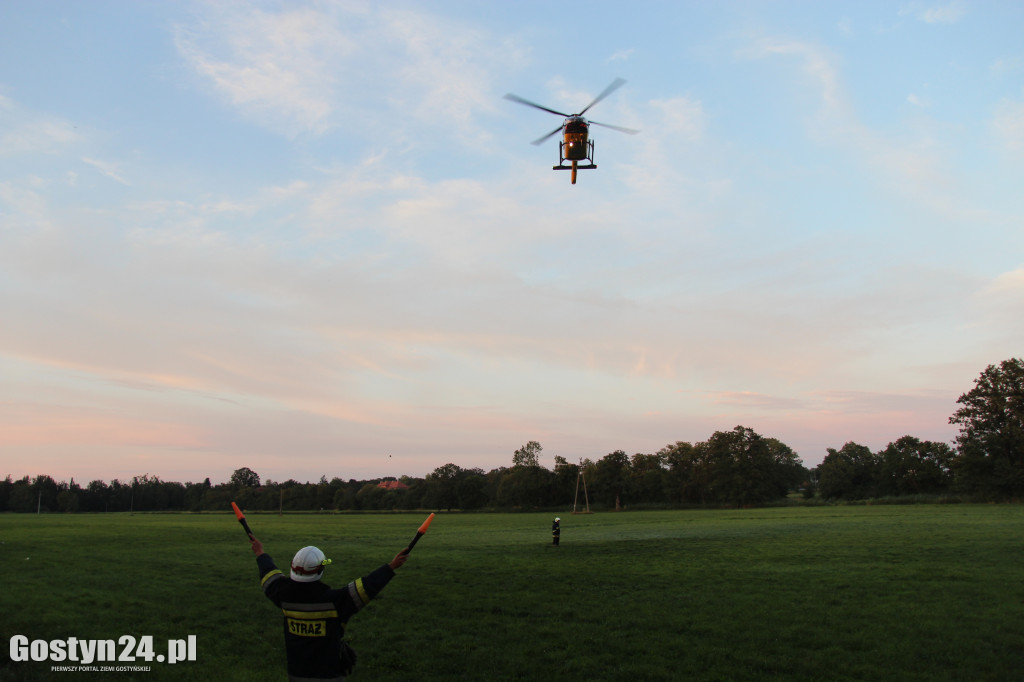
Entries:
{"x":731,"y":468}
{"x":987,"y":461}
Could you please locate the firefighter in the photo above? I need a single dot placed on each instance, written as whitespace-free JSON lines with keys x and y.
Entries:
{"x":555,"y":531}
{"x":314,"y":614}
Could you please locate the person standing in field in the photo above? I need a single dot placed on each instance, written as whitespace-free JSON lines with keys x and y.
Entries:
{"x":314,"y":614}
{"x":556,"y":531}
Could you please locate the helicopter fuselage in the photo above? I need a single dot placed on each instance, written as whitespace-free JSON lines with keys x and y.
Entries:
{"x":574,"y":139}
{"x":575,"y":146}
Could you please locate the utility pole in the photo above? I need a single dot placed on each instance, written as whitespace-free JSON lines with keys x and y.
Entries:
{"x":581,"y":477}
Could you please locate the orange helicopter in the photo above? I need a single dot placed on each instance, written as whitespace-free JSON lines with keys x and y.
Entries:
{"x":575,"y":145}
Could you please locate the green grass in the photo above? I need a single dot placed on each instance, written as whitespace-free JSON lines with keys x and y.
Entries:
{"x":922,"y":592}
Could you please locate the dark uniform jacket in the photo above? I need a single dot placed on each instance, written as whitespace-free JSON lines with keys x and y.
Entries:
{"x":315,"y":617}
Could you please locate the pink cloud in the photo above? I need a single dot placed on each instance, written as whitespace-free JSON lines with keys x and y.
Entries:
{"x":48,"y":426}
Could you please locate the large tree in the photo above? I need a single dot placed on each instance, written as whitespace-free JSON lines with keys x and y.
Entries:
{"x":528,"y":455}
{"x":442,"y":486}
{"x":689,"y":477}
{"x":991,"y":420}
{"x":611,"y":478}
{"x":527,"y":483}
{"x":747,"y":468}
{"x":648,"y":476}
{"x":566,"y":480}
{"x":525,"y":486}
{"x":472,"y":489}
{"x":851,"y":472}
{"x":244,"y":478}
{"x":911,"y":466}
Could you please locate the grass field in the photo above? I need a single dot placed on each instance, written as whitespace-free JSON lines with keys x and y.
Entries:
{"x":926,"y":592}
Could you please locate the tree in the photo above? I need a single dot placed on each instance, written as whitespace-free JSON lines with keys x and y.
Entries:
{"x":442,"y":486}
{"x":689,"y":473}
{"x":611,"y":478}
{"x":192,"y":498}
{"x":244,"y":478}
{"x":344,"y":498}
{"x":149,"y":493}
{"x":851,"y":473}
{"x":563,"y":488}
{"x":370,"y":496}
{"x":22,"y":498}
{"x":528,"y":455}
{"x":5,"y":491}
{"x":471,"y":489}
{"x":647,"y":478}
{"x":67,"y":501}
{"x":789,"y":473}
{"x":46,"y":490}
{"x":910,"y":466}
{"x":747,"y":468}
{"x":991,"y":420}
{"x":525,"y":486}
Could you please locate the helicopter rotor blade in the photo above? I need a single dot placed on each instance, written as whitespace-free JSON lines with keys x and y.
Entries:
{"x":616,"y":84}
{"x":628,"y":131}
{"x":541,"y":140}
{"x":520,"y":100}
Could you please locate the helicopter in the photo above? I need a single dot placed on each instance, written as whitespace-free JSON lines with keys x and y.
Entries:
{"x":575,"y":145}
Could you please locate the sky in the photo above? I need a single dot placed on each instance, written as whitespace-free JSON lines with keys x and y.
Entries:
{"x":313,"y":238}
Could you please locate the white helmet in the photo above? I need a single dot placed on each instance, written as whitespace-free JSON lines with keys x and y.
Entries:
{"x":557,"y":519}
{"x":308,"y":565}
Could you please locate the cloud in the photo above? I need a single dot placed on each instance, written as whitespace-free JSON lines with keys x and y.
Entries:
{"x":1008,"y":124}
{"x":447,"y":309}
{"x":912,"y":163}
{"x":444,"y":69}
{"x":674,"y":128}
{"x":753,"y":400}
{"x":28,"y":425}
{"x":1009,"y":283}
{"x":25,"y":208}
{"x":110,"y":170}
{"x":278,"y":67}
{"x":816,"y":63}
{"x":1006,"y":66}
{"x":620,"y":55}
{"x":1001,"y":301}
{"x":680,"y":116}
{"x":949,"y":13}
{"x":27,"y":132}
{"x":339,"y":67}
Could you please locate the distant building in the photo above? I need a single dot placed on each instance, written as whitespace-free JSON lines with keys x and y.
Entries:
{"x":392,"y":485}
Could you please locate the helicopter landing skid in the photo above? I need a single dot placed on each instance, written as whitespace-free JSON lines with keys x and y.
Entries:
{"x":574,"y":167}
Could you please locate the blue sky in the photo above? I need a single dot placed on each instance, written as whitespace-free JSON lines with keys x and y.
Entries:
{"x":313,"y":238}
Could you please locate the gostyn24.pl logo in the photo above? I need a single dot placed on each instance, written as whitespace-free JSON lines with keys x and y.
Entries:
{"x":126,"y":649}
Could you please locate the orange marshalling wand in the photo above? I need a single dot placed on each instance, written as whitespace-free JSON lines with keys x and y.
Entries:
{"x":241,"y":520}
{"x":419,"y":534}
